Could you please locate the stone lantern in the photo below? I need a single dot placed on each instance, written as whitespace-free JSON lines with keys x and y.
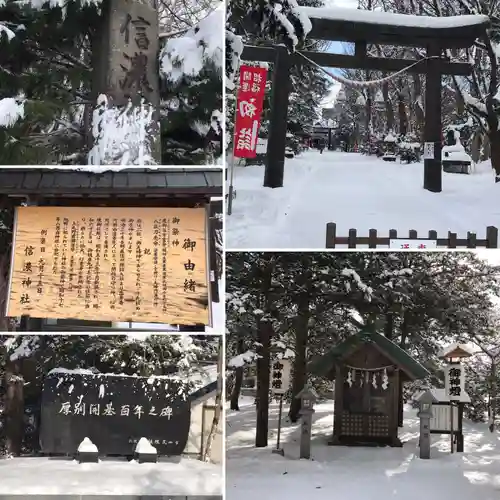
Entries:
{"x":308,"y":398}
{"x":425,"y":401}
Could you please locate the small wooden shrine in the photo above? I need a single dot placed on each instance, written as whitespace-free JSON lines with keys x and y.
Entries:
{"x":368,"y":370}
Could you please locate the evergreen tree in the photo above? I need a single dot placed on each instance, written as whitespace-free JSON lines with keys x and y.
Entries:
{"x":47,"y":61}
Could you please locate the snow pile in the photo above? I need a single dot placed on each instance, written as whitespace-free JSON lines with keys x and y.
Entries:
{"x":11,"y":110}
{"x":145,"y":447}
{"x":123,"y":136}
{"x":187,"y":55}
{"x":356,"y":472}
{"x":87,"y":446}
{"x":112,"y":476}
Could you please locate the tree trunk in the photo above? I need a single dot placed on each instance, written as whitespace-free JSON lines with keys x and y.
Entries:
{"x":402,"y":344}
{"x":300,"y":361}
{"x":476,"y":147}
{"x":218,"y":407}
{"x":5,"y":324}
{"x":494,"y":142}
{"x":263,"y":369}
{"x":403,"y":119}
{"x":14,"y":409}
{"x":493,"y":396}
{"x":238,"y":379}
{"x":389,"y":112}
{"x":419,"y":113}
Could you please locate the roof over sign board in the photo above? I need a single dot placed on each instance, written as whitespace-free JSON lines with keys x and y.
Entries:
{"x":17,"y":182}
{"x":440,"y":395}
{"x":322,"y":365}
{"x":457,"y":350}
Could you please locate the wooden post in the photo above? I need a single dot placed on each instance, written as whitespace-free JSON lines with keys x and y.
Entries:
{"x":275,"y":162}
{"x":14,"y":408}
{"x":432,"y":127}
{"x":451,"y":427}
{"x":278,"y":449}
{"x":263,"y":376}
{"x":125,"y":66}
{"x":492,"y":237}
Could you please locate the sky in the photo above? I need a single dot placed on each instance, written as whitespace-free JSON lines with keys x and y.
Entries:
{"x":336,"y":48}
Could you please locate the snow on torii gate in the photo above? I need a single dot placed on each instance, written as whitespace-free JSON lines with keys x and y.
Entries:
{"x":435,"y":34}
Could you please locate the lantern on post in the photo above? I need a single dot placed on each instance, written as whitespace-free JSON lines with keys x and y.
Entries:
{"x":308,"y":397}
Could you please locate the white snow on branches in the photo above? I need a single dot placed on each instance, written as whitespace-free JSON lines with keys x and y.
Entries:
{"x":187,"y":55}
{"x":121,"y":135}
{"x":40,"y":4}
{"x":241,"y":360}
{"x":9,"y":33}
{"x":11,"y":110}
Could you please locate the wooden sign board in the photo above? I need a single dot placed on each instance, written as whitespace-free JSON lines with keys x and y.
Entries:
{"x":110,"y":264}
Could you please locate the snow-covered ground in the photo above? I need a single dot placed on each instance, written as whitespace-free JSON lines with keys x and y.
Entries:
{"x":51,"y":476}
{"x":336,"y":472}
{"x":355,"y":191}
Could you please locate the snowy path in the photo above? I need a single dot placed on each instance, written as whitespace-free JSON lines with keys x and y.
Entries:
{"x":358,"y":473}
{"x":359,"y":192}
{"x":28,"y":476}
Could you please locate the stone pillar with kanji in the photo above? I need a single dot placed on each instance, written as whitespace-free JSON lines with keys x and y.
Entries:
{"x":126,"y":81}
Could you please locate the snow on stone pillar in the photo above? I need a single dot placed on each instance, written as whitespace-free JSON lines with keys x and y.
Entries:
{"x":125,"y":124}
{"x":88,"y":452}
{"x":145,"y":452}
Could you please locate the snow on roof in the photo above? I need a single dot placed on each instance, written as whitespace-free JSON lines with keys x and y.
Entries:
{"x":449,"y":349}
{"x":389,"y":18}
{"x":440,"y":395}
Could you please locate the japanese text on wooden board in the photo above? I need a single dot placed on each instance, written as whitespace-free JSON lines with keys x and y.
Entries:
{"x":249,"y":110}
{"x":280,"y":376}
{"x":111,"y":264}
{"x":455,"y":382}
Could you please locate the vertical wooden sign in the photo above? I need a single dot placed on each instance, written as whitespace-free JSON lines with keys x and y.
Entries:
{"x":111,"y":264}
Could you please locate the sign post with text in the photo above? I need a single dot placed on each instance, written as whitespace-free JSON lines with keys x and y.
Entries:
{"x":111,"y":264}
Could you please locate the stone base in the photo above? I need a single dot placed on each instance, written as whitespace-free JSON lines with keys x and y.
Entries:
{"x":88,"y":457}
{"x":147,"y":458}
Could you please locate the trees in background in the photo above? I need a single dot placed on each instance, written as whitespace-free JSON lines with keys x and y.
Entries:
{"x":305,"y":303}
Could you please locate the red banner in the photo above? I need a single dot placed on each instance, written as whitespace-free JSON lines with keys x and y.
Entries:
{"x":249,"y":110}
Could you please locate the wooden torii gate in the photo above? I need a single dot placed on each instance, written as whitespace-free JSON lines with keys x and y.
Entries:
{"x":357,"y":27}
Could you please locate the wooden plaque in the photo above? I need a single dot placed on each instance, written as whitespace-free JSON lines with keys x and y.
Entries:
{"x":110,"y":264}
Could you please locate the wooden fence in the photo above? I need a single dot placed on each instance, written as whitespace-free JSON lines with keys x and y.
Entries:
{"x":374,"y":241}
